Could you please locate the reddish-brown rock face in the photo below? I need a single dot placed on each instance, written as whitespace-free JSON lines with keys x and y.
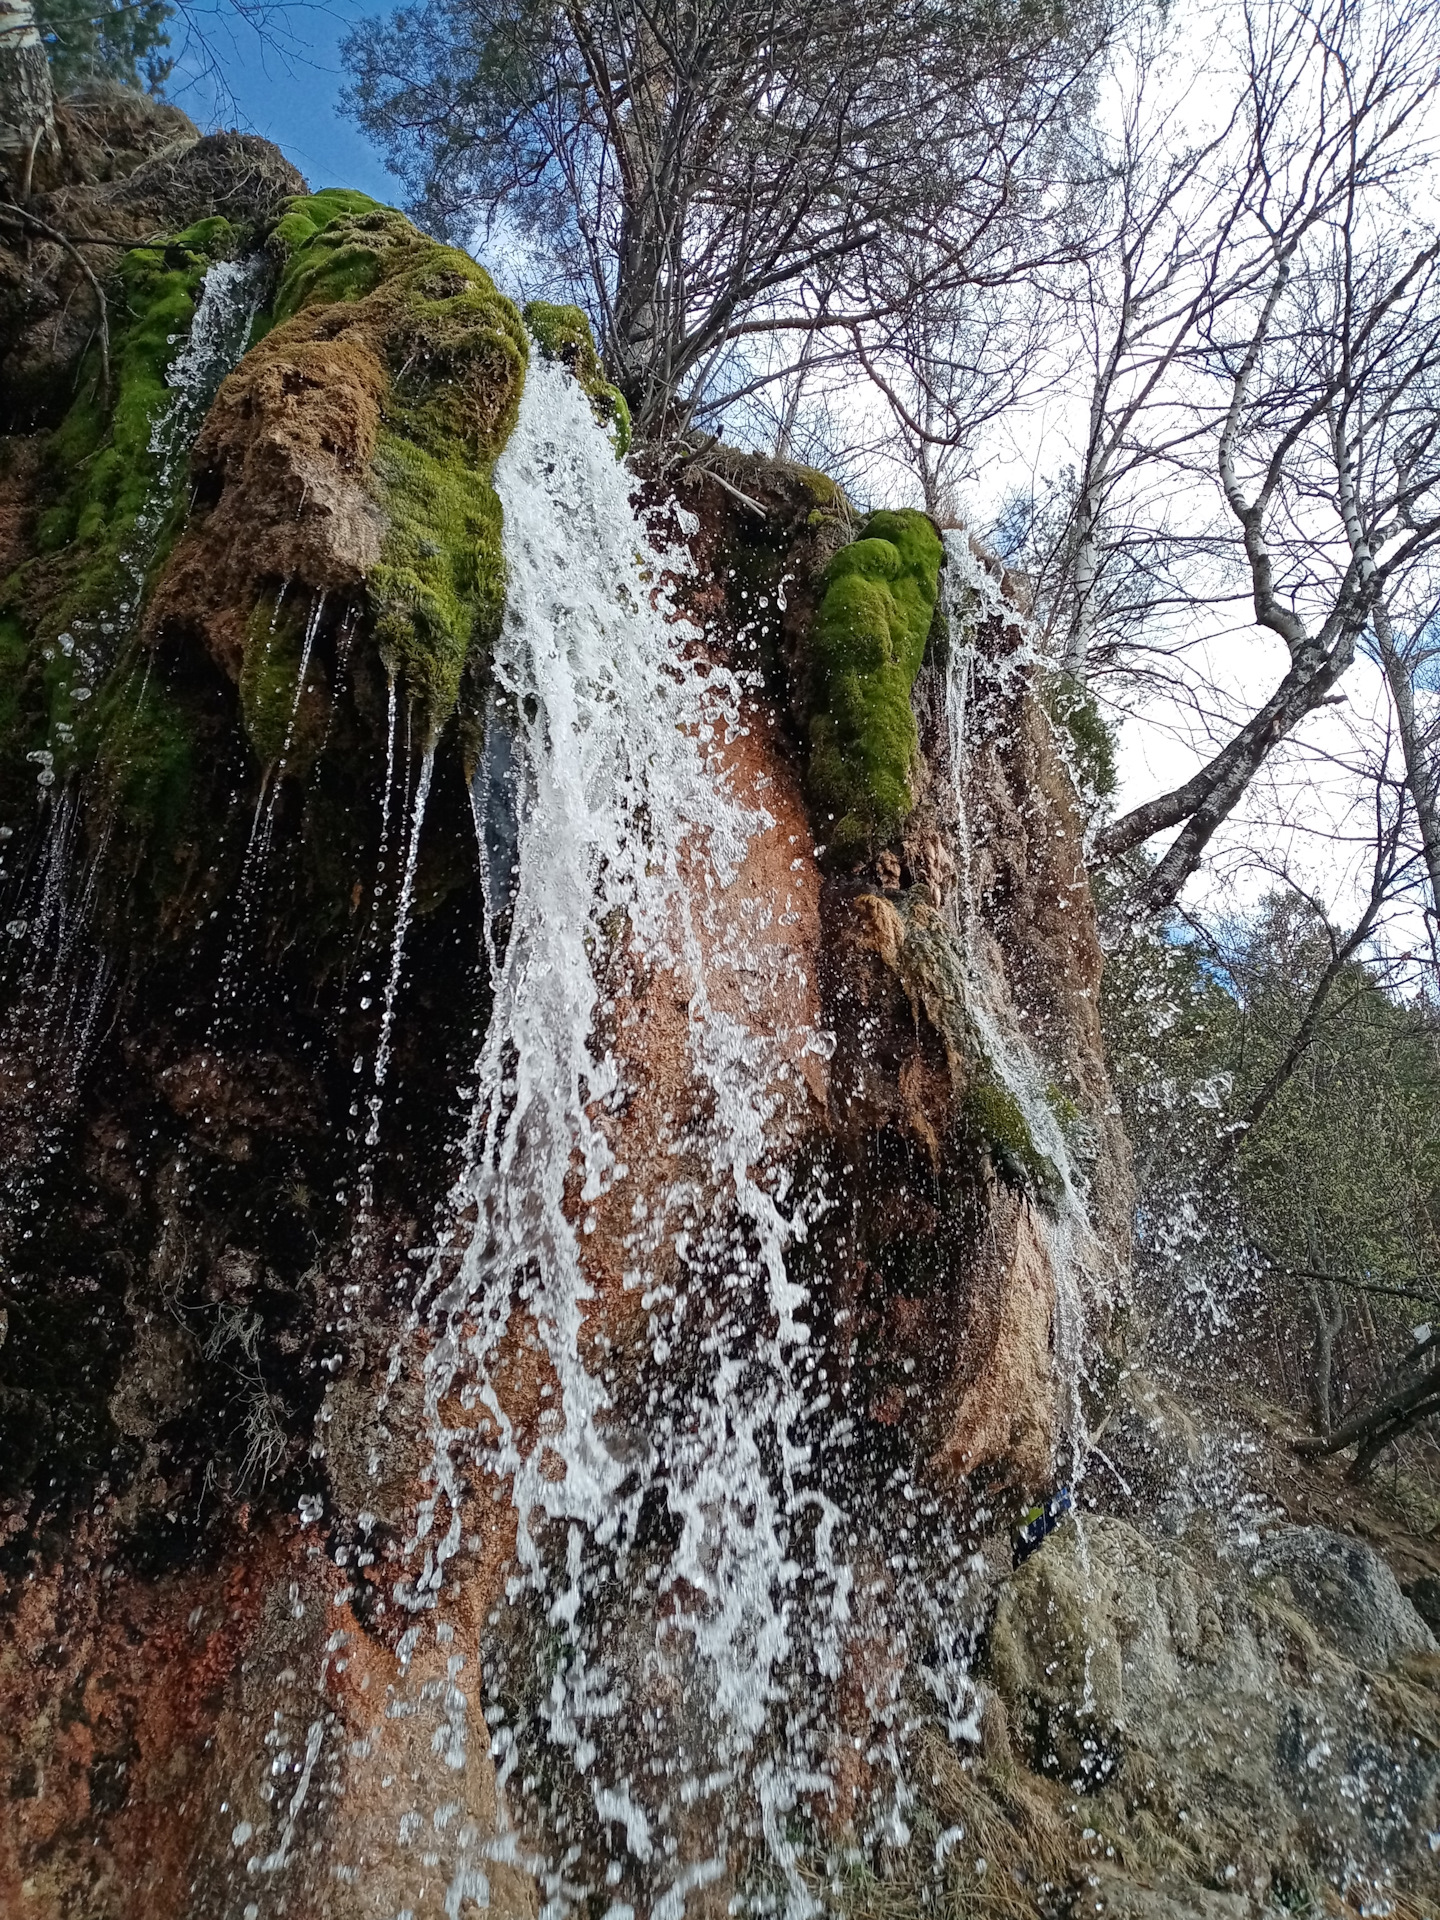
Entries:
{"x":225,"y":1687}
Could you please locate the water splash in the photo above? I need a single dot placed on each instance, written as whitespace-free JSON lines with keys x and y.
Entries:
{"x":671,"y":1531}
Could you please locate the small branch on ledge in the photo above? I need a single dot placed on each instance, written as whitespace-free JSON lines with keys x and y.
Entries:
{"x":697,"y":466}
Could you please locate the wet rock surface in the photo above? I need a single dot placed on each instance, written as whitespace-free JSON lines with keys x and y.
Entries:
{"x":1198,"y":1706}
{"x":259,"y":945}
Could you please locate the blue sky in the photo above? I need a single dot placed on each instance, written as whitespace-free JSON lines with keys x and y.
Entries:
{"x":285,"y":84}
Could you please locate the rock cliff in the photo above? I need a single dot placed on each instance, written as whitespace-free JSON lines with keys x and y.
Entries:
{"x":563,"y":1192}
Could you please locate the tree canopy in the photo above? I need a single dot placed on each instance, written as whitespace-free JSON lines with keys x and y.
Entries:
{"x":699,"y":172}
{"x":112,"y":40}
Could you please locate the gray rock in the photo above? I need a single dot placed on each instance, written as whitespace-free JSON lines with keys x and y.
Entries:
{"x":1249,"y":1731}
{"x":1120,"y":1899}
{"x":1424,"y":1595}
{"x":1347,"y":1593}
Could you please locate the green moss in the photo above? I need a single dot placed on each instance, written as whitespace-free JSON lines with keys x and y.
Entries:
{"x":441,"y":576}
{"x":14,"y":652}
{"x":868,"y":641}
{"x":280,"y":717}
{"x":563,"y":333}
{"x":332,"y":244}
{"x":456,"y":350}
{"x":994,"y":1116}
{"x":144,"y":758}
{"x":99,"y":460}
{"x":1074,"y":707}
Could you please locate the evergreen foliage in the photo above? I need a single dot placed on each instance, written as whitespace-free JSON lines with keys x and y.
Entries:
{"x":122,"y":41}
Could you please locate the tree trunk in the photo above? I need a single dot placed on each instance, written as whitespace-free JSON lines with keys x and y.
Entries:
{"x":27,"y":104}
{"x":1329,"y":1319}
{"x":1419,"y":769}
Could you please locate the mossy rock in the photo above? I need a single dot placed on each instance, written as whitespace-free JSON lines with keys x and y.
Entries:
{"x":563,"y":334}
{"x":993,"y":1115}
{"x":111,"y":504}
{"x":923,"y":949}
{"x":319,"y":240}
{"x":868,"y":641}
{"x":455,"y":350}
{"x":101,"y":467}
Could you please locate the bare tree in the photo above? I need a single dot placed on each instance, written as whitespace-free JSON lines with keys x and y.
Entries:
{"x":1260,"y":329}
{"x":702,"y":167}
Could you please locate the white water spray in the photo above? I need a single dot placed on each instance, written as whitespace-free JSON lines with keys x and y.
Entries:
{"x":627,"y":829}
{"x":974,"y":597}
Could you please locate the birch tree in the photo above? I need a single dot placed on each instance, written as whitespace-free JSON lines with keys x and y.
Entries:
{"x":27,"y":105}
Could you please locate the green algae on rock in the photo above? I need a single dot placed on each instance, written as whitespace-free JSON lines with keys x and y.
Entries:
{"x":109,"y":508}
{"x":868,"y":642}
{"x":563,"y":334}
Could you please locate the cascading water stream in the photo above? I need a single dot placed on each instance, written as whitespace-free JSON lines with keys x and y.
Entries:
{"x":405,"y":900}
{"x":628,"y":829}
{"x":973,"y":597}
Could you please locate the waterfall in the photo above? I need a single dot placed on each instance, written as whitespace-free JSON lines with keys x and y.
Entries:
{"x":972,"y":599}
{"x":613,"y":716}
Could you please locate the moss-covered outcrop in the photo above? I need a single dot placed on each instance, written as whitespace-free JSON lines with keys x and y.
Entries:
{"x":110,"y":494}
{"x":921,"y":949}
{"x":101,"y":467}
{"x":350,"y":456}
{"x":563,"y":334}
{"x":868,"y":640}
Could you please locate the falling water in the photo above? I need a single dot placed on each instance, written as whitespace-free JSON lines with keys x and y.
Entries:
{"x":973,"y":599}
{"x":229,"y":300}
{"x":405,"y":901}
{"x":249,"y":887}
{"x":628,"y":830}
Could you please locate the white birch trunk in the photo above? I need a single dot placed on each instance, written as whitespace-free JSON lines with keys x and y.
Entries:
{"x":27,"y":104}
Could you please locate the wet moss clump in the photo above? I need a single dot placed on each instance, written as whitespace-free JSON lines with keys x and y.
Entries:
{"x":282,"y":718}
{"x":454,"y":351}
{"x":111,"y":504}
{"x":563,"y":334}
{"x":867,"y":644}
{"x":100,"y":458}
{"x":993,"y":1115}
{"x":144,"y":757}
{"x":324,"y":257}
